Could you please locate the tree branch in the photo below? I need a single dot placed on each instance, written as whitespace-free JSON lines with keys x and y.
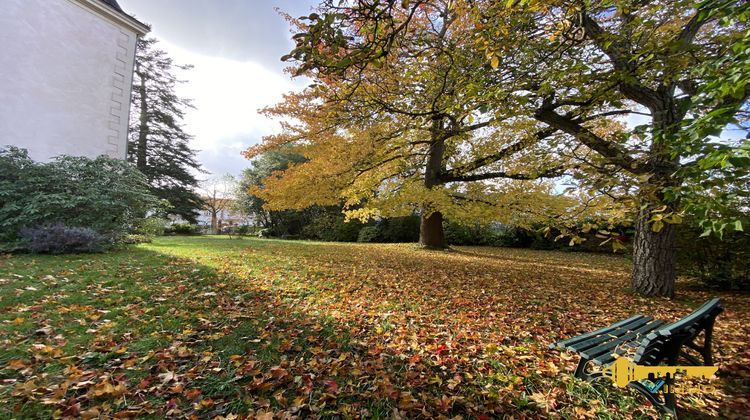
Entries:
{"x":549,"y":173}
{"x":617,"y":51}
{"x":508,"y":151}
{"x":608,"y":150}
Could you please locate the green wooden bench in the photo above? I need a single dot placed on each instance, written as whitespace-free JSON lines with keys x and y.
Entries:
{"x":653,"y":343}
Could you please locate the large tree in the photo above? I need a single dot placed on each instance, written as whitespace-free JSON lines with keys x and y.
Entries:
{"x":571,"y":64}
{"x":404,"y":131}
{"x":565,"y":77}
{"x":159,"y":146}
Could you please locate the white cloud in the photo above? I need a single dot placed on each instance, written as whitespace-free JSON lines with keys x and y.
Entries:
{"x":227,"y":95}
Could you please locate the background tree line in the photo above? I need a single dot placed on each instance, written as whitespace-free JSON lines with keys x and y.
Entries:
{"x":724,"y":262}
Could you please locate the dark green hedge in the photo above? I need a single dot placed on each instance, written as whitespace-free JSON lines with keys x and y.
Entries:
{"x":105,"y":195}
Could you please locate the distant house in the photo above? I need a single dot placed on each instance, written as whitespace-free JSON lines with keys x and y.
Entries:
{"x":66,"y":70}
{"x":219,"y":215}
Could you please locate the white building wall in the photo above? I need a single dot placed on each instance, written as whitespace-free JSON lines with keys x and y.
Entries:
{"x":65,"y":79}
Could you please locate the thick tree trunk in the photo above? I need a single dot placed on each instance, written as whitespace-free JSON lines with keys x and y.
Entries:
{"x":431,"y":231}
{"x":653,"y":258}
{"x":654,"y":253}
{"x":431,"y":224}
{"x":214,"y":223}
{"x":141,"y":161}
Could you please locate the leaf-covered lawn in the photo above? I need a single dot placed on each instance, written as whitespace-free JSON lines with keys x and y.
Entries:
{"x":211,"y":327}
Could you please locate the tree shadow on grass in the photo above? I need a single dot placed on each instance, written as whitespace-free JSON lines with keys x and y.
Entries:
{"x":138,"y":332}
{"x":218,"y":327}
{"x":552,"y":309}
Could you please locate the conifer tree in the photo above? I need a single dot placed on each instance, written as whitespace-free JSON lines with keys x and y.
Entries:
{"x":159,"y":146}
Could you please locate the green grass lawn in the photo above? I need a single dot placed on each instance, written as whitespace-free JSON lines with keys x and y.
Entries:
{"x":214,"y":327}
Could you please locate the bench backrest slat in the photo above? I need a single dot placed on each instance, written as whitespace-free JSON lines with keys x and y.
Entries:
{"x":665,"y":342}
{"x":566,"y":343}
{"x":707,"y":310}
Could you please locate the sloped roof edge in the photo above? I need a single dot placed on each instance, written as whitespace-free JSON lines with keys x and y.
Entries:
{"x":113,"y":4}
{"x":112,"y":10}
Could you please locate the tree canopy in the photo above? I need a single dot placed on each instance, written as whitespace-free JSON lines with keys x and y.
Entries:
{"x":410,"y":133}
{"x":574,"y":65}
{"x":461,"y":107}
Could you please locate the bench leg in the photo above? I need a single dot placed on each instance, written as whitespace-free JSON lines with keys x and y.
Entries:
{"x":670,"y":404}
{"x":581,"y":368}
{"x":704,"y":349}
{"x":706,"y":353}
{"x":667,"y":405}
{"x":581,"y":371}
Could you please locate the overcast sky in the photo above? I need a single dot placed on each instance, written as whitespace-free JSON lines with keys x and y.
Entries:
{"x":235,"y":46}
